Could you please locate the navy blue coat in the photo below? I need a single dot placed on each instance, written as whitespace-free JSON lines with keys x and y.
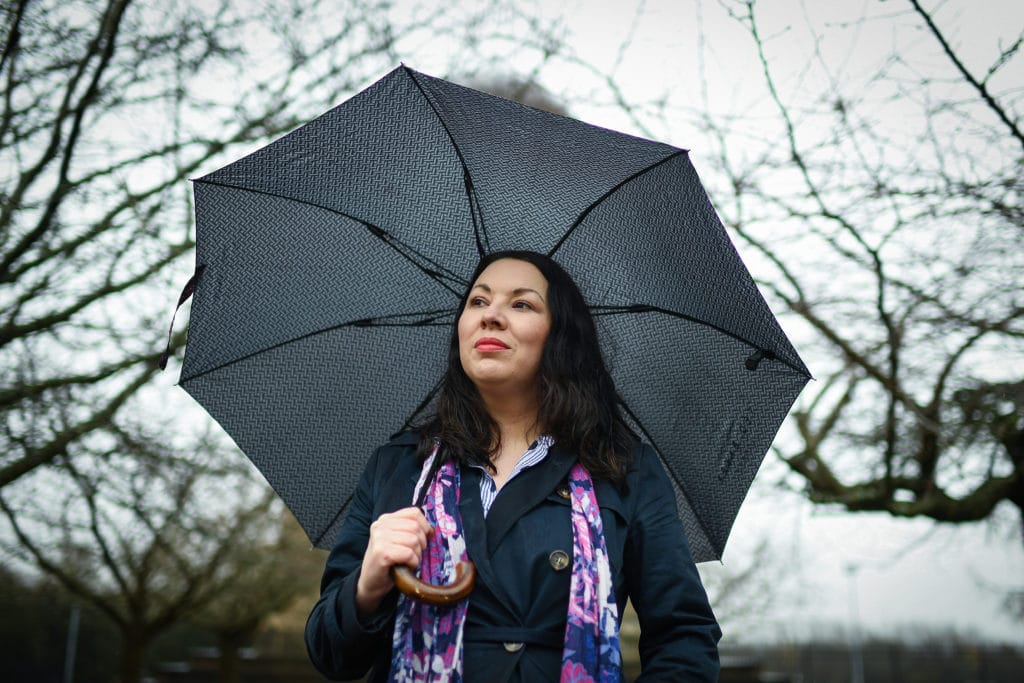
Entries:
{"x":517,"y":610}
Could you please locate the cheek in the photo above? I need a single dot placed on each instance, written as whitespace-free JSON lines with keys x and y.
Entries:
{"x":539,"y":337}
{"x":465,"y":329}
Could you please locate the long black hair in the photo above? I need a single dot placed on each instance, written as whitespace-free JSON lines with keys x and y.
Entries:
{"x":577,"y":402}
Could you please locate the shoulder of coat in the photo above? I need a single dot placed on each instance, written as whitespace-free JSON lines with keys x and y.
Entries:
{"x":401,"y":447}
{"x":408,"y":437}
{"x":639,"y":450}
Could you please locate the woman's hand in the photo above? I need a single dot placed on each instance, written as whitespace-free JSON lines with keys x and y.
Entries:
{"x":398,"y":537}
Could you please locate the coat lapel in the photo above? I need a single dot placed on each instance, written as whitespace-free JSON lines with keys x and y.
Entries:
{"x":523,"y":492}
{"x":475,"y":531}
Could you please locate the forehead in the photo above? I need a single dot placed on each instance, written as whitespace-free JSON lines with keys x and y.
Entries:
{"x":512,"y":274}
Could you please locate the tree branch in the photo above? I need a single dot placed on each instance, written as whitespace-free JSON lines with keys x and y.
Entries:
{"x":980,"y":87}
{"x":59,"y":443}
{"x":103,"y":46}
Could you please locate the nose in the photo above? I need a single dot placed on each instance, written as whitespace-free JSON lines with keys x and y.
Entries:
{"x":492,"y":317}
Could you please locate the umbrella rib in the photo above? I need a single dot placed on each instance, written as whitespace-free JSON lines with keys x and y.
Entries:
{"x":475,"y":213}
{"x":671,"y":473}
{"x":232,"y":186}
{"x":752,"y":361}
{"x":425,"y":319}
{"x":438,"y":273}
{"x":611,"y":191}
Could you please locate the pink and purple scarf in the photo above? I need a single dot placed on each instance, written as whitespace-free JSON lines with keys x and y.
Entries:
{"x":427,"y":642}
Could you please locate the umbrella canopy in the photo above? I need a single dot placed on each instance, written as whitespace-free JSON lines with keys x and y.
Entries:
{"x":330,"y":264}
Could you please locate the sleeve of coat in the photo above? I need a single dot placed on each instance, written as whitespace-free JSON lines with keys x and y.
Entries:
{"x":340,"y":645}
{"x":678,"y":631}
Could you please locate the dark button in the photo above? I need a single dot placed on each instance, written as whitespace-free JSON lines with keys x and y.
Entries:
{"x":513,"y":647}
{"x":563,"y":491}
{"x":559,"y":560}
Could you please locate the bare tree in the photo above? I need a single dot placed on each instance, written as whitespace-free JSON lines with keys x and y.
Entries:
{"x":107,"y":109}
{"x":899,"y":248}
{"x":266,"y":579}
{"x":146,"y":536}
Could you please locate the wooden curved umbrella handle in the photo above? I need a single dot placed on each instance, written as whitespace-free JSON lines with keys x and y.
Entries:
{"x":406,"y":581}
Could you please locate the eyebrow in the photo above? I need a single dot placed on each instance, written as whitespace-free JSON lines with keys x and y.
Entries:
{"x":515,"y":292}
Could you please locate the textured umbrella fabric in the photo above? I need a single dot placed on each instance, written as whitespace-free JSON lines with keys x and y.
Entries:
{"x":332,"y":261}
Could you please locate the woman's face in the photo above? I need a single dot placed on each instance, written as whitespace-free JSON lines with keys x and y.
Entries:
{"x":504,"y":325}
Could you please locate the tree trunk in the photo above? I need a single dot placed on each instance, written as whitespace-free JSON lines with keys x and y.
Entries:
{"x":133,"y":649}
{"x":230,"y":641}
{"x":228,"y":662}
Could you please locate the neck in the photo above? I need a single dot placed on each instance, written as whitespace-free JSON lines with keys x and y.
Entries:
{"x":515,"y":413}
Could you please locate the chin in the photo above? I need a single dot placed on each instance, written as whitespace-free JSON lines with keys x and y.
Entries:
{"x":488,"y":379}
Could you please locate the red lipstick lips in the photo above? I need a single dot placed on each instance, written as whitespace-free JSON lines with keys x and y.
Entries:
{"x":486,"y":344}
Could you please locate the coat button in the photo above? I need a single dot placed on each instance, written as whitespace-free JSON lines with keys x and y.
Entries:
{"x":513,"y":647}
{"x":563,"y":491}
{"x":559,"y":560}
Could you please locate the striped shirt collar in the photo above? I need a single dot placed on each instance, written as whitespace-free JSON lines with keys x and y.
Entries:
{"x":537,"y":451}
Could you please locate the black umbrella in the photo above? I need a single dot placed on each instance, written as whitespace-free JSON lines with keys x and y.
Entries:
{"x":329,"y":264}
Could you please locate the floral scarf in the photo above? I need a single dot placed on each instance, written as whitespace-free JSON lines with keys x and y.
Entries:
{"x":591,"y":648}
{"x":427,"y":643}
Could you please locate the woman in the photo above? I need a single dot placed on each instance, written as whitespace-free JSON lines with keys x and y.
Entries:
{"x":526,"y":436}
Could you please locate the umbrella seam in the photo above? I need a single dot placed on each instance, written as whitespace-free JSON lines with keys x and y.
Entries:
{"x":644,"y":308}
{"x":672,"y":474}
{"x":436,"y":275}
{"x":611,"y":191}
{"x":374,"y":229}
{"x":479,"y":231}
{"x":342,"y":509}
{"x":363,"y":322}
{"x":406,"y":425}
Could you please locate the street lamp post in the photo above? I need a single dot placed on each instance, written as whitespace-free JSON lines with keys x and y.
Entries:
{"x":856,"y":647}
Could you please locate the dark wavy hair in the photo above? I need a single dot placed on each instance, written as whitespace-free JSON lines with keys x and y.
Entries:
{"x":578,"y":403}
